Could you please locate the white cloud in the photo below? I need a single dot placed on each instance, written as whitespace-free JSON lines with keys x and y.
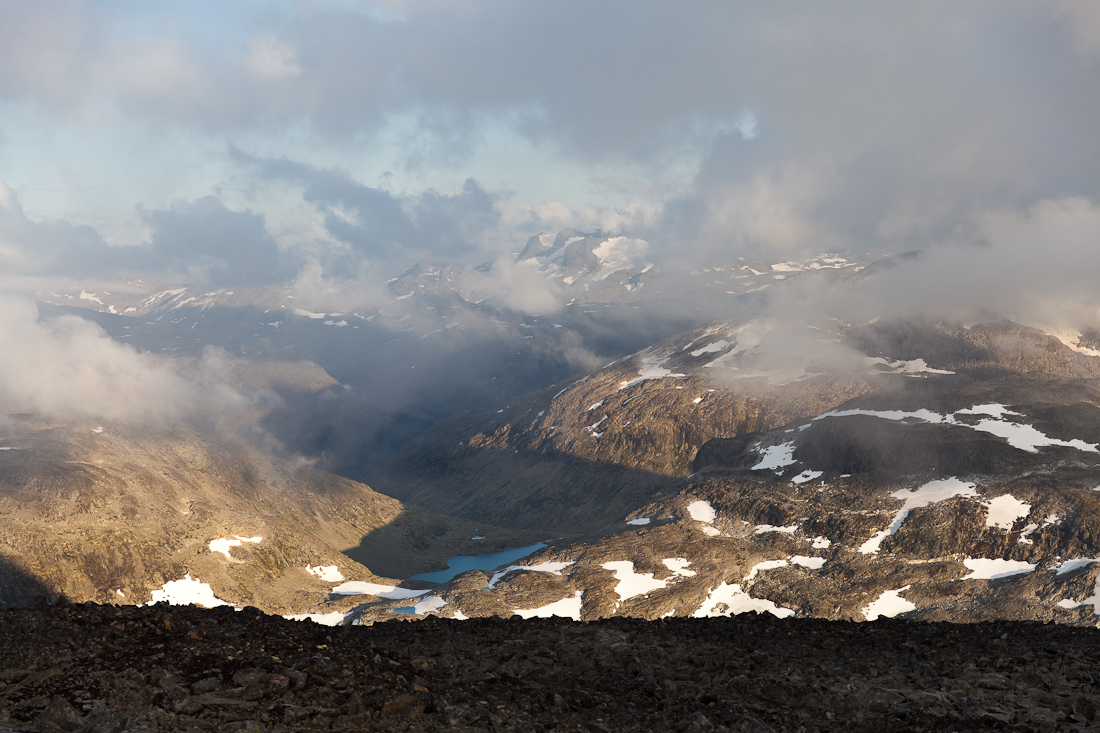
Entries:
{"x":270,"y":56}
{"x":68,"y":367}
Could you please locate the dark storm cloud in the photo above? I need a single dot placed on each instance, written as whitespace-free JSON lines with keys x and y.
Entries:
{"x":204,"y":241}
{"x":382,"y":226}
{"x":198,"y":241}
{"x":50,"y":247}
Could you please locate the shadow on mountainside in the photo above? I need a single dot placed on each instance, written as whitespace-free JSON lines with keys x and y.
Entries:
{"x":560,"y":493}
{"x":18,"y":588}
{"x":418,"y":541}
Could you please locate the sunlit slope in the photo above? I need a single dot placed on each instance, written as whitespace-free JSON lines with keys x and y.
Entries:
{"x":112,"y":513}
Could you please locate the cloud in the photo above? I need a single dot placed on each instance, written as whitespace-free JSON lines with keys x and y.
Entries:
{"x":270,"y":56}
{"x":49,"y":247}
{"x":68,"y":367}
{"x":1036,"y":266}
{"x":204,"y":241}
{"x":196,"y":241}
{"x":381,"y":226}
{"x":861,"y":126}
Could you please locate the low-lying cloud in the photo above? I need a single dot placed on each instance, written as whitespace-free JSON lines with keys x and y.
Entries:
{"x":69,"y":368}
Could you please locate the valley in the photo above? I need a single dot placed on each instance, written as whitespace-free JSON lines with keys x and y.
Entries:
{"x":802,"y":468}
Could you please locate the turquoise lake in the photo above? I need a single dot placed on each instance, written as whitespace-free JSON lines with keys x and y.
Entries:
{"x":462,"y":563}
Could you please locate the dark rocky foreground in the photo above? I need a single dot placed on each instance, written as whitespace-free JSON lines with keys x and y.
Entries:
{"x":104,"y":669}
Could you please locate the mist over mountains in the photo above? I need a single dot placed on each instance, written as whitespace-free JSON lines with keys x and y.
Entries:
{"x":689,"y":303}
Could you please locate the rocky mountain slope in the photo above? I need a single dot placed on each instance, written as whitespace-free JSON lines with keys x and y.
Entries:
{"x":129,"y":514}
{"x":578,"y":454}
{"x":962,"y":487}
{"x":811,"y":468}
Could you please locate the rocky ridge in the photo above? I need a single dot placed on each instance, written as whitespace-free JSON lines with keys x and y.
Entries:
{"x":100,"y":669}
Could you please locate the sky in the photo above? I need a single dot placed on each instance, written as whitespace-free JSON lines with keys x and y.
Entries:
{"x":408,"y":129}
{"x":252,"y":143}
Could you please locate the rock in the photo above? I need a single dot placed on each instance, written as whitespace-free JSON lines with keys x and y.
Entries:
{"x":242,"y":726}
{"x":403,"y":705}
{"x":58,"y":716}
{"x":208,"y":684}
{"x":107,"y":722}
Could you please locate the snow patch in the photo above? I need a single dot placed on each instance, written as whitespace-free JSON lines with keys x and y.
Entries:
{"x":776,"y":456}
{"x":888,"y":605}
{"x":914,"y":366}
{"x":327,"y":573}
{"x":1072,"y":340}
{"x":566,"y":608}
{"x":702,"y":511}
{"x":431,"y":603}
{"x":187,"y":591}
{"x":1021,"y":436}
{"x":765,"y":528}
{"x":651,"y":369}
{"x":222,"y":544}
{"x":766,"y":565}
{"x":1070,"y":565}
{"x":638,"y":522}
{"x":932,"y":492}
{"x":678,"y":566}
{"x":1003,"y":511}
{"x":711,"y":348}
{"x":1026,"y":437}
{"x":982,"y":568}
{"x":1093,"y":600}
{"x":632,"y":584}
{"x":806,"y":476}
{"x":553,"y":567}
{"x":813,"y":563}
{"x":361,"y":587}
{"x":324,"y":619}
{"x":729,"y":600}
{"x":924,"y":415}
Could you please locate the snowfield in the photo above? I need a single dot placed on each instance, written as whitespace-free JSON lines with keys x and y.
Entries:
{"x":702,"y":512}
{"x":1019,"y":435}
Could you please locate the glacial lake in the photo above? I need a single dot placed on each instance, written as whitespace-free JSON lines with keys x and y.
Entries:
{"x":462,"y":563}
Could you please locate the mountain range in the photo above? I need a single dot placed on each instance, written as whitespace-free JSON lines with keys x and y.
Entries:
{"x":654,"y":442}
